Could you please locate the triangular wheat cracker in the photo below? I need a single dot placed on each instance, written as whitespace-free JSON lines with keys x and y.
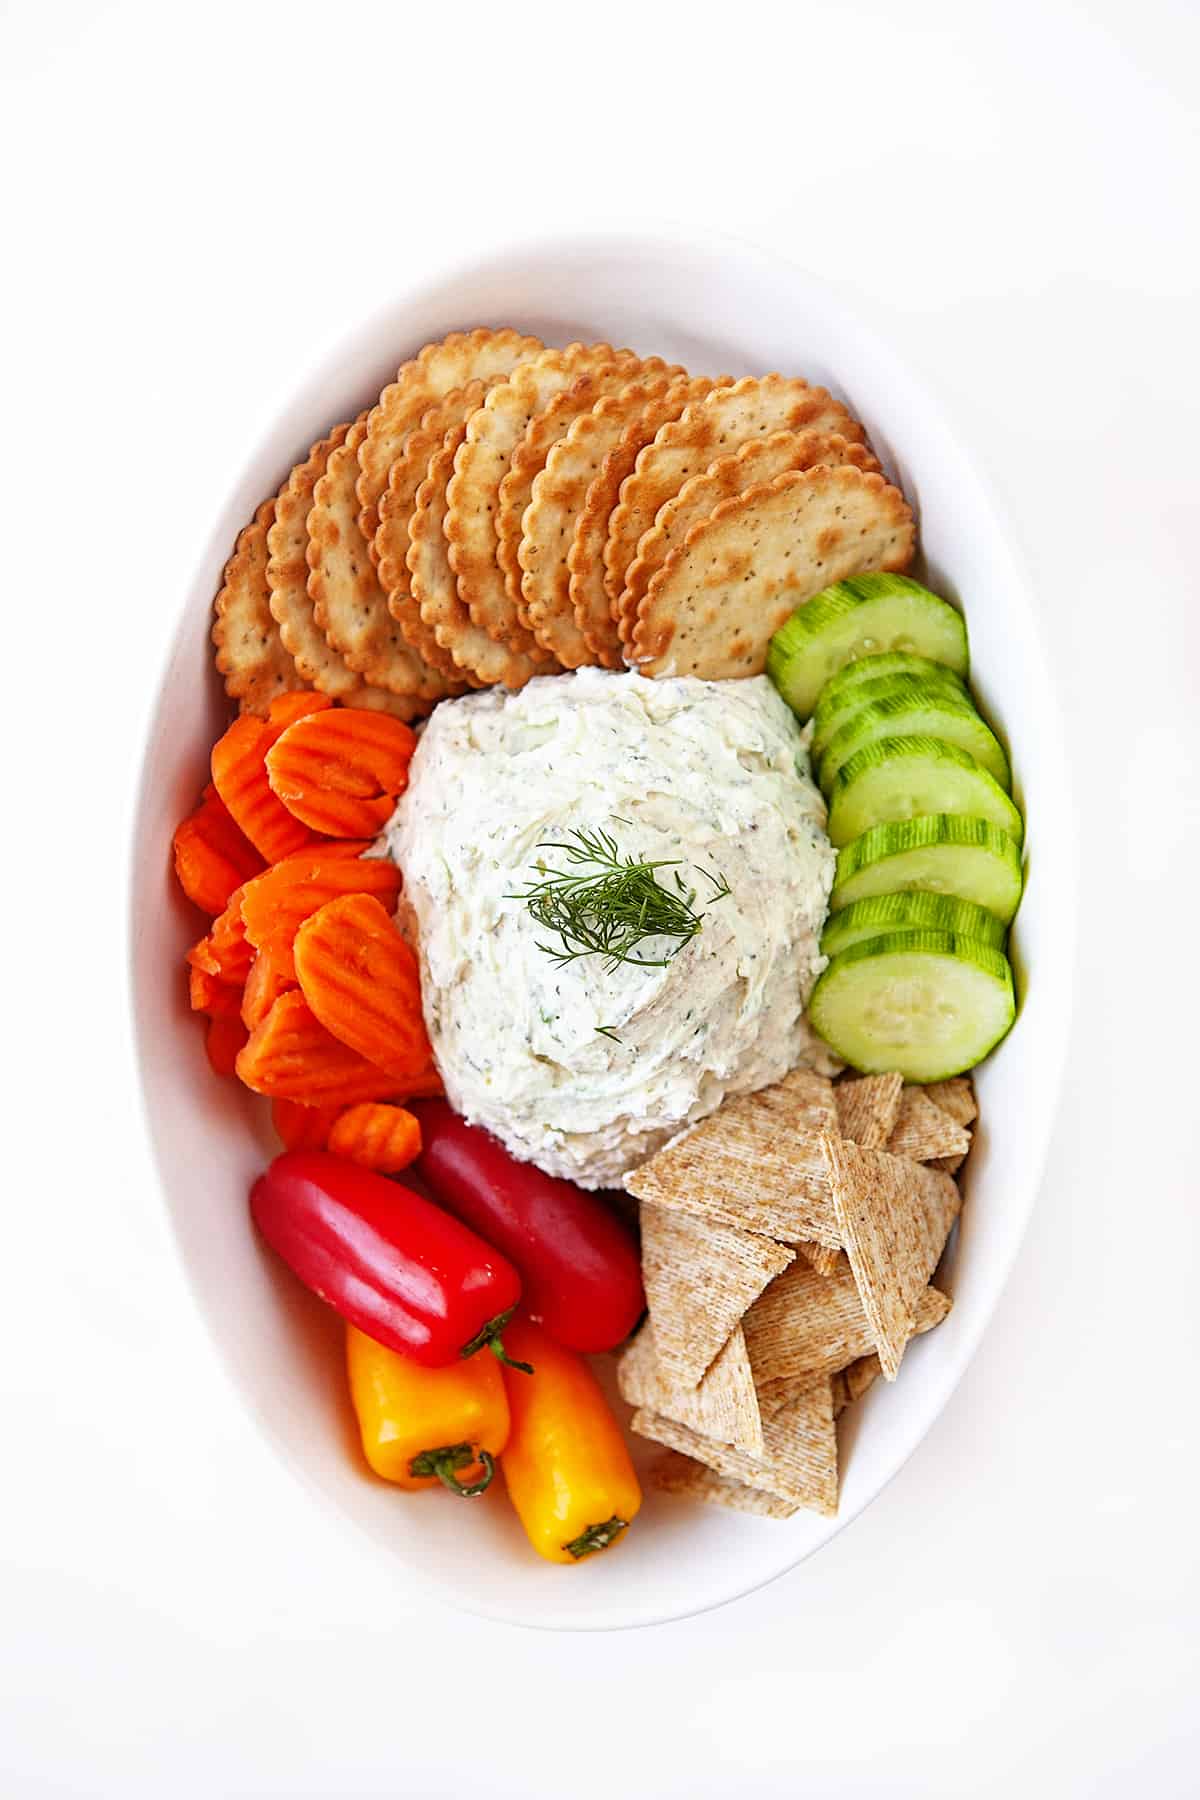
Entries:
{"x":850,"y":1384}
{"x":867,"y":1108}
{"x":681,"y":1475}
{"x":700,"y":1278}
{"x":799,"y":1460}
{"x":806,"y":1324}
{"x":894,"y":1217}
{"x":922,"y":1130}
{"x":862,"y":1373}
{"x":956,"y":1097}
{"x":756,"y":1164}
{"x":724,"y":1407}
{"x":775,"y":1391}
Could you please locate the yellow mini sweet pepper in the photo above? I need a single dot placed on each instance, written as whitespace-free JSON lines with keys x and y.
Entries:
{"x":423,"y":1426}
{"x":566,"y":1465}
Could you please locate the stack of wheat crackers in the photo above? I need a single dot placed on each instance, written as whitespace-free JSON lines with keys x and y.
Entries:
{"x":788,"y":1246}
{"x":506,"y":510}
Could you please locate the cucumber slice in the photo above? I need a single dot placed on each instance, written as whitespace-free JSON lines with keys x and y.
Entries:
{"x":874,"y":668}
{"x":856,"y":618}
{"x":942,"y":853}
{"x":884,"y":913}
{"x":905,"y":777}
{"x":832,"y":714}
{"x":936,"y":715}
{"x":929,"y":1004}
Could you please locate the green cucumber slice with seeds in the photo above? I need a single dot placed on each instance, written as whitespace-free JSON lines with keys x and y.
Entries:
{"x":936,"y":715}
{"x":929,"y":1004}
{"x":889,"y":662}
{"x":914,"y":911}
{"x":857,"y":618}
{"x":906,"y":777}
{"x":832,"y":714}
{"x":943,"y":853}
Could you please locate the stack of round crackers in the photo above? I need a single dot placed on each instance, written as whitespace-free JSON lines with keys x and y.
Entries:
{"x":508,"y":510}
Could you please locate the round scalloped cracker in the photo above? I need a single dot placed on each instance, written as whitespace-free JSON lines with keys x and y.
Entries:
{"x":438,"y":369}
{"x":291,"y":607}
{"x":597,"y":454}
{"x":759,"y":459}
{"x":427,"y":572}
{"x":556,"y":502}
{"x":714,"y":427}
{"x":349,"y":605}
{"x":545,"y":430}
{"x":483,"y":460}
{"x":251,"y":655}
{"x":483,"y":661}
{"x":713,"y":607}
{"x":396,"y":507}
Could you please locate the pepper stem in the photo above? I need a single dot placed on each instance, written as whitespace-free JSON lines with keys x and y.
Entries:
{"x":445,"y":1462}
{"x":597,"y":1537}
{"x":510,"y":1362}
{"x":490,"y":1335}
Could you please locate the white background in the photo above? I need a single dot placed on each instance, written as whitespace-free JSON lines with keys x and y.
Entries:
{"x":195,"y":199}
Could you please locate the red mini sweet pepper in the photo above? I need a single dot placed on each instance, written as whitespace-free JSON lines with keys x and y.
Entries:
{"x":581,"y":1274}
{"x":398,"y":1267}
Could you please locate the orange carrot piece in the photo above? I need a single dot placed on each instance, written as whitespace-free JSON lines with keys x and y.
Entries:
{"x":341,"y":772}
{"x":285,"y":709}
{"x":224,"y":1040}
{"x":360,"y":979}
{"x":303,"y":1127}
{"x":291,"y":1056}
{"x":226,"y":952}
{"x":272,"y":973}
{"x":385,"y":1138}
{"x":213,"y":856}
{"x":239,"y":772}
{"x":276,"y":904}
{"x":219,"y":999}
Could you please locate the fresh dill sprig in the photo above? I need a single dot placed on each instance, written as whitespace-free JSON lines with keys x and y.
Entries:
{"x":606,"y":904}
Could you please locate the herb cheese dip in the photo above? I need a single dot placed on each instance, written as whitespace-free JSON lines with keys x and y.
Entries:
{"x":584,"y":1067}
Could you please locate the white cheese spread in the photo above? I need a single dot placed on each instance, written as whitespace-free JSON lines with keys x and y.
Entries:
{"x":583,"y":1068}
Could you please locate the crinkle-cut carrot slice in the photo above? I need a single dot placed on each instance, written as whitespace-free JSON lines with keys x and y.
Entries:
{"x":224,"y":1040}
{"x":291,"y":1056}
{"x":381,"y":1137}
{"x":226,"y":952}
{"x":341,"y":772}
{"x":285,"y":709}
{"x":361,"y":980}
{"x":272,"y":973}
{"x":213,"y":856}
{"x":239,"y":772}
{"x":219,"y":999}
{"x":277,"y":903}
{"x":303,"y":1127}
